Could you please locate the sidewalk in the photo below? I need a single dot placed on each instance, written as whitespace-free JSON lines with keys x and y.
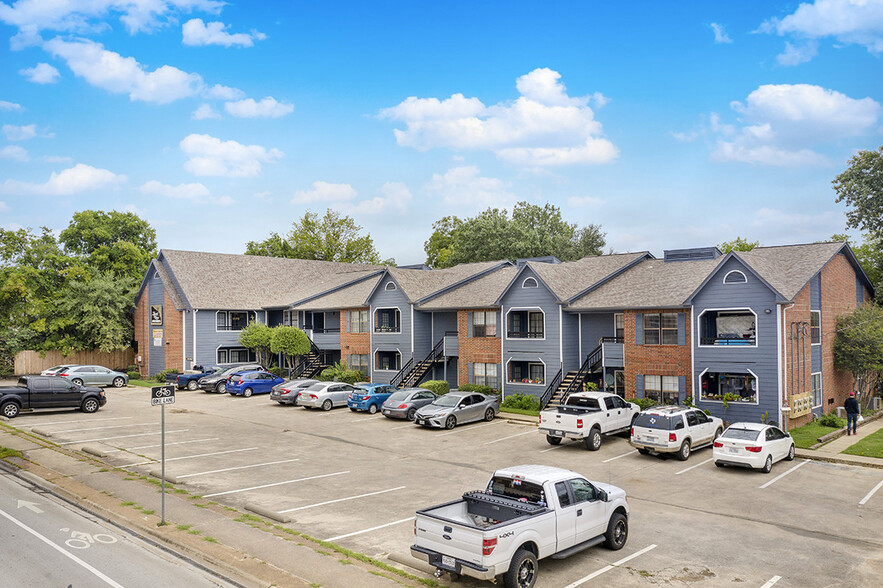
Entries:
{"x":831,"y":451}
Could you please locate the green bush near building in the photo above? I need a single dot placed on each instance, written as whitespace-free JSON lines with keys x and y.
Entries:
{"x":440,"y":387}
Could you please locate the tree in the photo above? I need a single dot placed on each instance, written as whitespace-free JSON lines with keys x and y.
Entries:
{"x":440,"y":245}
{"x":259,"y":338}
{"x":738,"y":244}
{"x":93,"y":314}
{"x":334,"y":237}
{"x":861,"y":187}
{"x":291,"y":342}
{"x":870,"y":256}
{"x":118,"y":243}
{"x":858,"y":347}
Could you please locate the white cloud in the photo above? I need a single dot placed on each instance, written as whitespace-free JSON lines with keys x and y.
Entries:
{"x":124,"y":75}
{"x":323,"y":192}
{"x":395,"y":197}
{"x":203,"y":112}
{"x":779,"y":226}
{"x":780,"y":124}
{"x":74,"y":180}
{"x":209,"y":156}
{"x":544,"y":126}
{"x":720,"y":33}
{"x":19,"y":133}
{"x":858,"y":22}
{"x":220,"y":92}
{"x":14,"y":152}
{"x":58,"y":159}
{"x":4,"y":207}
{"x":266,"y":108}
{"x":42,"y":73}
{"x":797,"y":54}
{"x":583,"y":201}
{"x":4,"y":105}
{"x":198,"y":33}
{"x":192,"y":191}
{"x":464,"y":188}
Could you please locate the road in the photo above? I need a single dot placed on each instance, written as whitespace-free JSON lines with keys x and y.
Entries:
{"x":47,"y":542}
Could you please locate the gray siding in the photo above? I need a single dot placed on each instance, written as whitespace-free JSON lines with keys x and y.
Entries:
{"x":595,"y":326}
{"x":570,"y":345}
{"x":156,"y":295}
{"x":424,"y":339}
{"x":209,"y":339}
{"x":401,"y":341}
{"x":190,"y":360}
{"x":614,"y":355}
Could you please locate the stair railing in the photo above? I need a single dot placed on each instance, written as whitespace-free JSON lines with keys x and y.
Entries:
{"x":550,"y":390}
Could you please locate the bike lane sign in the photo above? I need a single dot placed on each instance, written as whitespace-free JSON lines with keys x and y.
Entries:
{"x":162,"y":395}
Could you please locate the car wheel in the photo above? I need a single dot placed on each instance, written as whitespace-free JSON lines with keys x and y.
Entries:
{"x":684,"y":451}
{"x":192,"y":385}
{"x":372,"y":409}
{"x":552,"y":440}
{"x":412,"y":412}
{"x":790,"y":456}
{"x":89,"y":405}
{"x":247,"y":392}
{"x":768,"y":465}
{"x":617,"y":532}
{"x":489,"y":415}
{"x":593,"y":441}
{"x":522,"y":572}
{"x":450,"y":422}
{"x":9,"y":410}
{"x":77,"y":381}
{"x":643,"y":451}
{"x":326,"y":406}
{"x":221,"y":388}
{"x":119,"y":382}
{"x":718,"y":433}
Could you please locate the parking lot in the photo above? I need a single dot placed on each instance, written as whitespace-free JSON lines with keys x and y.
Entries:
{"x":356,"y":479}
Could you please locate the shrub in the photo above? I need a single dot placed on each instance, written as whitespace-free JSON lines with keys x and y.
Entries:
{"x":440,"y":387}
{"x":161,"y":377}
{"x":644,"y":403}
{"x":351,"y":376}
{"x":276,"y":371}
{"x":521,"y":401}
{"x":487,"y":390}
{"x":134,"y":375}
{"x":832,"y":420}
{"x":591,"y":387}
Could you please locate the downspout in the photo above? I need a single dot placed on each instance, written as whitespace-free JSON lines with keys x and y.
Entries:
{"x":195,"y":310}
{"x":503,"y":331}
{"x":692,"y":356}
{"x":784,"y":342}
{"x":560,"y":338}
{"x":184,"y":340}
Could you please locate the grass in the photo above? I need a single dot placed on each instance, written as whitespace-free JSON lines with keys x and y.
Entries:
{"x":808,"y":435}
{"x":183,"y":527}
{"x":520,"y":411}
{"x":7,"y":452}
{"x":144,"y":383}
{"x":870,"y":446}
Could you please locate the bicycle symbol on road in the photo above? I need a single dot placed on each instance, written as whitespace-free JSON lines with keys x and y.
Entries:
{"x":80,"y":540}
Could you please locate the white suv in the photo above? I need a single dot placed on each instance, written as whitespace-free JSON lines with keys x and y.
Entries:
{"x":674,"y":429}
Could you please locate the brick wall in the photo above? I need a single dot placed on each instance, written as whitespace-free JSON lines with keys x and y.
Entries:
{"x":352,"y":343}
{"x":797,"y":365}
{"x":657,"y":360}
{"x":173,"y":333}
{"x":142,"y":331}
{"x":477,"y":349}
{"x":838,"y":298}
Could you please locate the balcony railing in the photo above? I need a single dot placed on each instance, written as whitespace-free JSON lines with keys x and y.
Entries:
{"x":727,"y":341}
{"x":328,"y":330}
{"x":525,"y":334}
{"x":228,"y":328}
{"x":387,"y":329}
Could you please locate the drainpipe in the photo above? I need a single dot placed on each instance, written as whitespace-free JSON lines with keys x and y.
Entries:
{"x":784,"y":380}
{"x":184,"y":339}
{"x":195,"y":310}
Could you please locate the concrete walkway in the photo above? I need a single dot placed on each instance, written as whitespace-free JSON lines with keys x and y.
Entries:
{"x":831,"y":451}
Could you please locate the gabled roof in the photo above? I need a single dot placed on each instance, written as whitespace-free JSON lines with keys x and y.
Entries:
{"x":353,"y":295}
{"x":418,"y":285}
{"x":482,"y":292}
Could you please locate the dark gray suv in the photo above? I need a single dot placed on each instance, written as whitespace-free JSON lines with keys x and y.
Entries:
{"x":217,"y":382}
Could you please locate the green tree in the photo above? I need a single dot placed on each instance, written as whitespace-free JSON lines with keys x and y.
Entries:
{"x":118,"y":243}
{"x":440,"y":245}
{"x":93,"y":314}
{"x":259,"y":338}
{"x":858,"y":348}
{"x":861,"y":187}
{"x":738,"y":244}
{"x":870,"y":256}
{"x":291,"y":342}
{"x":333,"y":237}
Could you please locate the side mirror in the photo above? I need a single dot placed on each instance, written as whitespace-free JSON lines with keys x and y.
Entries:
{"x":602,"y":495}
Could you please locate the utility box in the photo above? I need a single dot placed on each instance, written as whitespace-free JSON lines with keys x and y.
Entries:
{"x":841,"y":412}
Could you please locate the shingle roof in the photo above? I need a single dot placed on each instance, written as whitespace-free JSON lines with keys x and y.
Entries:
{"x":352,"y":296}
{"x":788,"y":268}
{"x":569,"y":278}
{"x":417,"y":284}
{"x":170,"y":288}
{"x":480,"y":293}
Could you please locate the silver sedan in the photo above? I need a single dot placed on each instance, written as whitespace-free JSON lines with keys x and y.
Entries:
{"x":325,"y":395}
{"x":288,"y":391}
{"x":456,"y":408}
{"x":404,"y":403}
{"x":95,"y":375}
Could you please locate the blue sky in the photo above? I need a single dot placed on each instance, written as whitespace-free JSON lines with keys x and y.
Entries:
{"x":669,"y":124}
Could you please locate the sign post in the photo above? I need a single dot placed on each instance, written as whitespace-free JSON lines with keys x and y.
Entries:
{"x":163,"y":395}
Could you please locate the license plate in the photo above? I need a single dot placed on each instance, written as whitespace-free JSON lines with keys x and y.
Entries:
{"x":558,"y":433}
{"x":448,"y":561}
{"x":421,"y":421}
{"x":387,"y":412}
{"x":733,"y":450}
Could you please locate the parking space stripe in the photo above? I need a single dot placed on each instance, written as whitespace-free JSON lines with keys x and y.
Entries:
{"x":871,"y":493}
{"x":618,"y":456}
{"x":123,"y":437}
{"x":160,"y":445}
{"x":76,"y":422}
{"x":339,"y":499}
{"x":772,"y":581}
{"x":560,"y":446}
{"x":373,"y":418}
{"x":403,"y":426}
{"x":254,"y":465}
{"x":783,"y":474}
{"x":274,"y":484}
{"x":371,"y":529}
{"x":701,"y":463}
{"x":611,"y":566}
{"x":511,"y":436}
{"x":107,"y":427}
{"x":191,"y":456}
{"x":466,"y":429}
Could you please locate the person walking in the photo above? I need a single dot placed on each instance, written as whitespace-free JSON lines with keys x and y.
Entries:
{"x":852,"y":412}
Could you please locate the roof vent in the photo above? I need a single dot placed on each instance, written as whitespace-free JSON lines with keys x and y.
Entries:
{"x":694,"y":254}
{"x":416,"y":266}
{"x":544,"y":259}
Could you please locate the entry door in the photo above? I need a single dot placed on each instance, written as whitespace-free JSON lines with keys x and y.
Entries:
{"x":590,"y":510}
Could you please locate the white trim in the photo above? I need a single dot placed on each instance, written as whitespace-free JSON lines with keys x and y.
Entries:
{"x":195,"y":310}
{"x":580,"y":335}
{"x":155,"y":275}
{"x":779,"y":353}
{"x":821,"y":388}
{"x":745,"y":278}
{"x":692,"y":356}
{"x":412,"y":332}
{"x":536,"y":284}
{"x":371,"y":342}
{"x":784,"y":371}
{"x":699,"y":330}
{"x":386,"y":287}
{"x":560,"y":338}
{"x":528,"y":362}
{"x":740,"y":403}
{"x":184,"y":339}
{"x":374,"y":314}
{"x":374,"y":359}
{"x":227,"y":319}
{"x":502,"y":354}
{"x":527,"y":309}
{"x":819,"y":312}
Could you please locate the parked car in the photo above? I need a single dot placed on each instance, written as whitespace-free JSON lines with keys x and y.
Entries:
{"x":752,"y":445}
{"x":674,"y":429}
{"x":404,"y":403}
{"x":369,"y":397}
{"x":190,"y":379}
{"x":525,"y":514}
{"x":95,"y":375}
{"x":585,"y":416}
{"x":33,"y":392}
{"x":325,"y":395}
{"x":288,"y":391}
{"x":246,"y":383}
{"x":55,"y":370}
{"x":457,"y":408}
{"x":217,"y":382}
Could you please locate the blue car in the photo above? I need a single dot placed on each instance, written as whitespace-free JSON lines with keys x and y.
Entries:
{"x":370,"y":397}
{"x":246,"y":383}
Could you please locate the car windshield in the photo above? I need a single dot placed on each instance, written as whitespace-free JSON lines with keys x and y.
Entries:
{"x":515,"y":488}
{"x":398,"y":396}
{"x":320,"y":387}
{"x":741,"y":434}
{"x":582,"y":402}
{"x":446,"y":401}
{"x":655,"y":421}
{"x":364,"y":391}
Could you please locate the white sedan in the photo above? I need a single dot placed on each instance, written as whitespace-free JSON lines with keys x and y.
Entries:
{"x":325,"y":395}
{"x":752,"y":445}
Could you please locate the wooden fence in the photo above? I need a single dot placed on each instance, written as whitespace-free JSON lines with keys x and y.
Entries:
{"x":31,"y":362}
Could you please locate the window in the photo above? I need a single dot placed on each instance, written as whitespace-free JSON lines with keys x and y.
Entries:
{"x":485,"y":374}
{"x":526,"y":324}
{"x":222,"y":356}
{"x":662,"y":389}
{"x":529,"y":283}
{"x":235,"y":355}
{"x":359,"y":321}
{"x":484,"y":324}
{"x":289,"y":318}
{"x":360,"y":362}
{"x":730,"y":328}
{"x":815,"y":326}
{"x":661,"y":328}
{"x":730,"y":387}
{"x":387,"y":320}
{"x":563,"y":495}
{"x":390,"y":286}
{"x":619,"y":326}
{"x":234,"y":320}
{"x":816,"y":381}
{"x":524,"y":372}
{"x":735,"y":277}
{"x":582,"y":490}
{"x":388,"y":361}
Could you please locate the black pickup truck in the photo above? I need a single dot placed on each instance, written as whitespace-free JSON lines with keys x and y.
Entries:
{"x":48,"y":392}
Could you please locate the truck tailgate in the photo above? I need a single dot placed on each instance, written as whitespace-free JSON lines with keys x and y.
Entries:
{"x":558,"y":422}
{"x":449,"y":538}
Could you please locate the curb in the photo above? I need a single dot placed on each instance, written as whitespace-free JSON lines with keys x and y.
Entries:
{"x":92,"y":450}
{"x":839,"y":460}
{"x":265,"y":512}
{"x":412,"y":563}
{"x":41,"y":432}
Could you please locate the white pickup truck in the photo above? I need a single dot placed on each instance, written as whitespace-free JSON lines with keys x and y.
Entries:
{"x":526,"y":513}
{"x":585,"y":416}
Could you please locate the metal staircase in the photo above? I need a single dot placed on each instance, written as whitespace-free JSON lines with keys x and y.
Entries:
{"x":311,"y":364}
{"x":572,"y":382}
{"x":412,"y":374}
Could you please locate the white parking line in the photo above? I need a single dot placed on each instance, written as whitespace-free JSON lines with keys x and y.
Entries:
{"x":274,"y":484}
{"x":254,"y":465}
{"x":782,"y":475}
{"x":510,"y":436}
{"x":123,"y":437}
{"x":469,"y":429}
{"x":871,"y":493}
{"x":160,"y":445}
{"x":107,"y":427}
{"x":191,"y":456}
{"x":403,"y":426}
{"x":77,"y":421}
{"x":373,"y":418}
{"x":611,"y":566}
{"x":560,"y":446}
{"x":618,"y":456}
{"x":701,"y":463}
{"x":340,"y":500}
{"x":772,"y":581}
{"x":369,"y":530}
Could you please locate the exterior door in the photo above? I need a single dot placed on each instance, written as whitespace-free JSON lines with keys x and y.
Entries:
{"x":590,"y":510}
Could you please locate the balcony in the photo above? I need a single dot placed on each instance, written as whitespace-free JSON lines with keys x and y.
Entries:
{"x":728,"y":328}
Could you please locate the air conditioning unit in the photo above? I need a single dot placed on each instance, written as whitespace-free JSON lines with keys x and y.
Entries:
{"x":841,"y":412}
{"x":876,"y":402}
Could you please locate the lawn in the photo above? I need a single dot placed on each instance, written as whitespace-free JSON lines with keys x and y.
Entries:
{"x":808,"y":435}
{"x":519,"y":411}
{"x":870,"y":446}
